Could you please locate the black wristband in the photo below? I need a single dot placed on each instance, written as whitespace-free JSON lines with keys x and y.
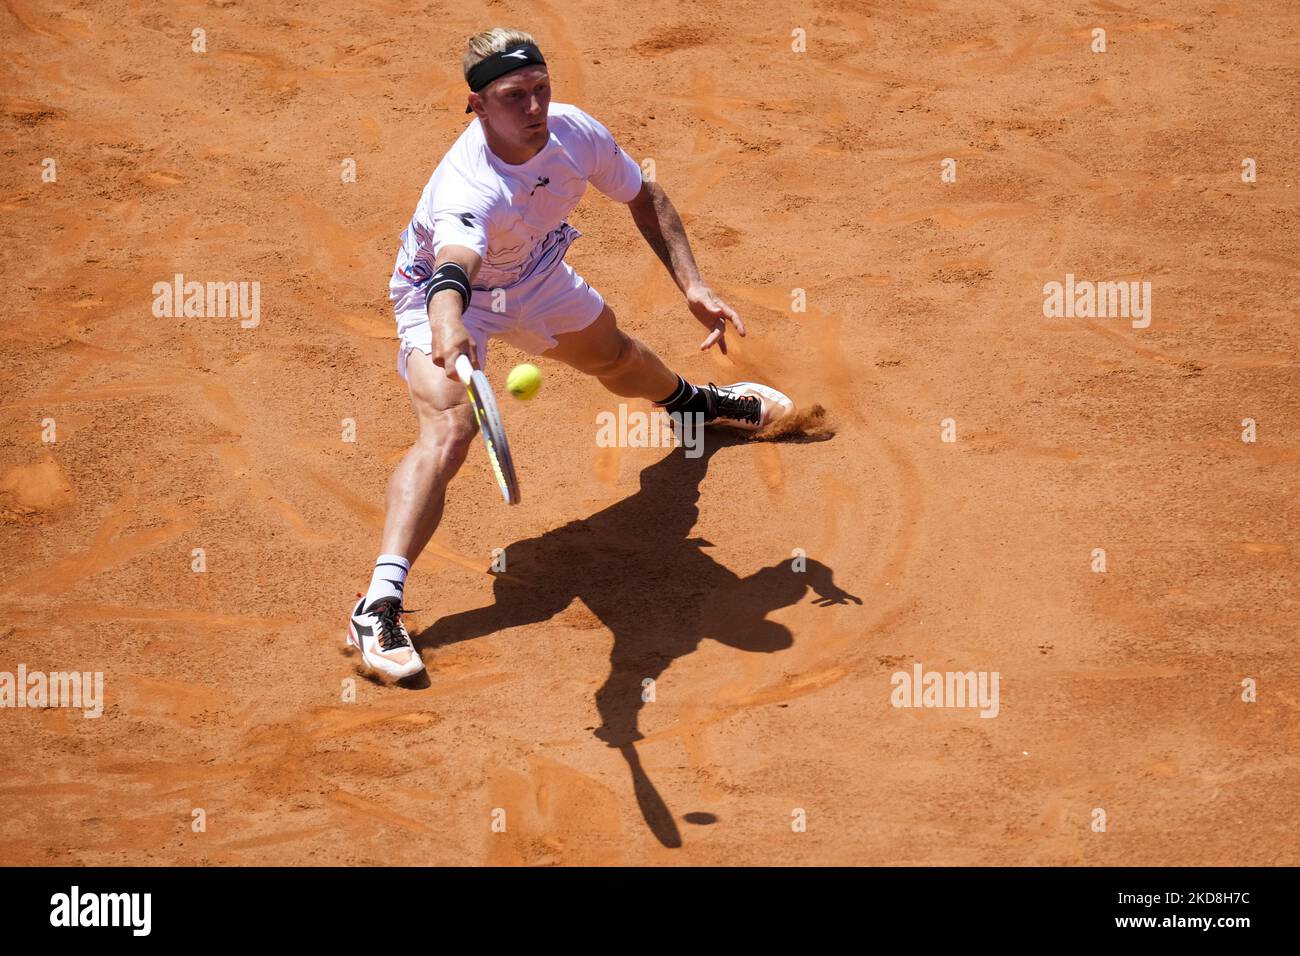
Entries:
{"x":450,"y":275}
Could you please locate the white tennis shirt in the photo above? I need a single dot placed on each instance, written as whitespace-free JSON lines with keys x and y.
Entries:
{"x":512,"y":216}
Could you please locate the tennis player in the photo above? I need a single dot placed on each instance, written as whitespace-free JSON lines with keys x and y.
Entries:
{"x":483,"y":256}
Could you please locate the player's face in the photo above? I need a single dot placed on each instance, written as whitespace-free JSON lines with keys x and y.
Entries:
{"x":517,"y":106}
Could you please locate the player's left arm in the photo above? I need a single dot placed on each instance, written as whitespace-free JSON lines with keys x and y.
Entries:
{"x":656,"y":217}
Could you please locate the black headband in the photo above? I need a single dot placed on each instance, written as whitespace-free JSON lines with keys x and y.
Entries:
{"x":499,"y":64}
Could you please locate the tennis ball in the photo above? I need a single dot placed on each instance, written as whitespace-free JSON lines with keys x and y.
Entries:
{"x":524,"y":381}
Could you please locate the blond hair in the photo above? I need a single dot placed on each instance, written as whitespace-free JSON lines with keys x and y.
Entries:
{"x":482,"y":45}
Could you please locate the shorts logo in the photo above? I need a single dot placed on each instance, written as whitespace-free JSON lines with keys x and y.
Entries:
{"x":418,"y":272}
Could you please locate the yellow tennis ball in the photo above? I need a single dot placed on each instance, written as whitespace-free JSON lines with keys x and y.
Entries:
{"x":524,"y":381}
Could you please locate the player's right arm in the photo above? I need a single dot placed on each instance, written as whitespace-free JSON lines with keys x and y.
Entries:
{"x":460,"y":215}
{"x":447,"y":306}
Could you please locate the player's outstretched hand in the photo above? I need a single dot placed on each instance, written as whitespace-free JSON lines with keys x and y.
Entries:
{"x":714,"y":314}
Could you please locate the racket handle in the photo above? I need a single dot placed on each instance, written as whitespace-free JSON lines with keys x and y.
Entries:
{"x":464,"y":368}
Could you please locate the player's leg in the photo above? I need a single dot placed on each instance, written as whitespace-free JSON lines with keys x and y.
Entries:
{"x":416,"y":493}
{"x":418,"y":487}
{"x":623,"y":363}
{"x":628,"y":367}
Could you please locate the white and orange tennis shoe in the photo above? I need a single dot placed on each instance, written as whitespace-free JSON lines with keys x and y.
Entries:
{"x":381,"y":637}
{"x":746,"y":406}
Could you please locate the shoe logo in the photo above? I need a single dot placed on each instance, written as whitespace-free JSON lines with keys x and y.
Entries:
{"x":541,"y":181}
{"x":363,"y":630}
{"x":521,"y":54}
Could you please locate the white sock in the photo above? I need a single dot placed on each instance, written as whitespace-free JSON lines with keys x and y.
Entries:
{"x":389,"y":578}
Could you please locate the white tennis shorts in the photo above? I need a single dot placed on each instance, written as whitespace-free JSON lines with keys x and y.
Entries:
{"x":528,"y":314}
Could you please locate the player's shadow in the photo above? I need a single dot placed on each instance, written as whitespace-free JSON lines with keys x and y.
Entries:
{"x":639,"y":571}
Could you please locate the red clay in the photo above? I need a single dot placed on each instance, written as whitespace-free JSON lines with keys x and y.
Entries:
{"x":821,"y":171}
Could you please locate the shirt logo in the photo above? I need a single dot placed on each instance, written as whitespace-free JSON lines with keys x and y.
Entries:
{"x":541,"y":181}
{"x":466,"y":218}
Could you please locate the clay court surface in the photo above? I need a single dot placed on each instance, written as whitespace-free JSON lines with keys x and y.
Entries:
{"x":818,"y":171}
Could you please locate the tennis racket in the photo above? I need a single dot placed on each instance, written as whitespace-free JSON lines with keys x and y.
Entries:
{"x":489,"y":423}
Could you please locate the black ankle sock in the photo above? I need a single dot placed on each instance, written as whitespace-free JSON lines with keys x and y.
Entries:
{"x":681,"y":389}
{"x":685,"y":399}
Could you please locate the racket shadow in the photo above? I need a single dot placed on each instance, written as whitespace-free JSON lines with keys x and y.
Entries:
{"x":639,"y":571}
